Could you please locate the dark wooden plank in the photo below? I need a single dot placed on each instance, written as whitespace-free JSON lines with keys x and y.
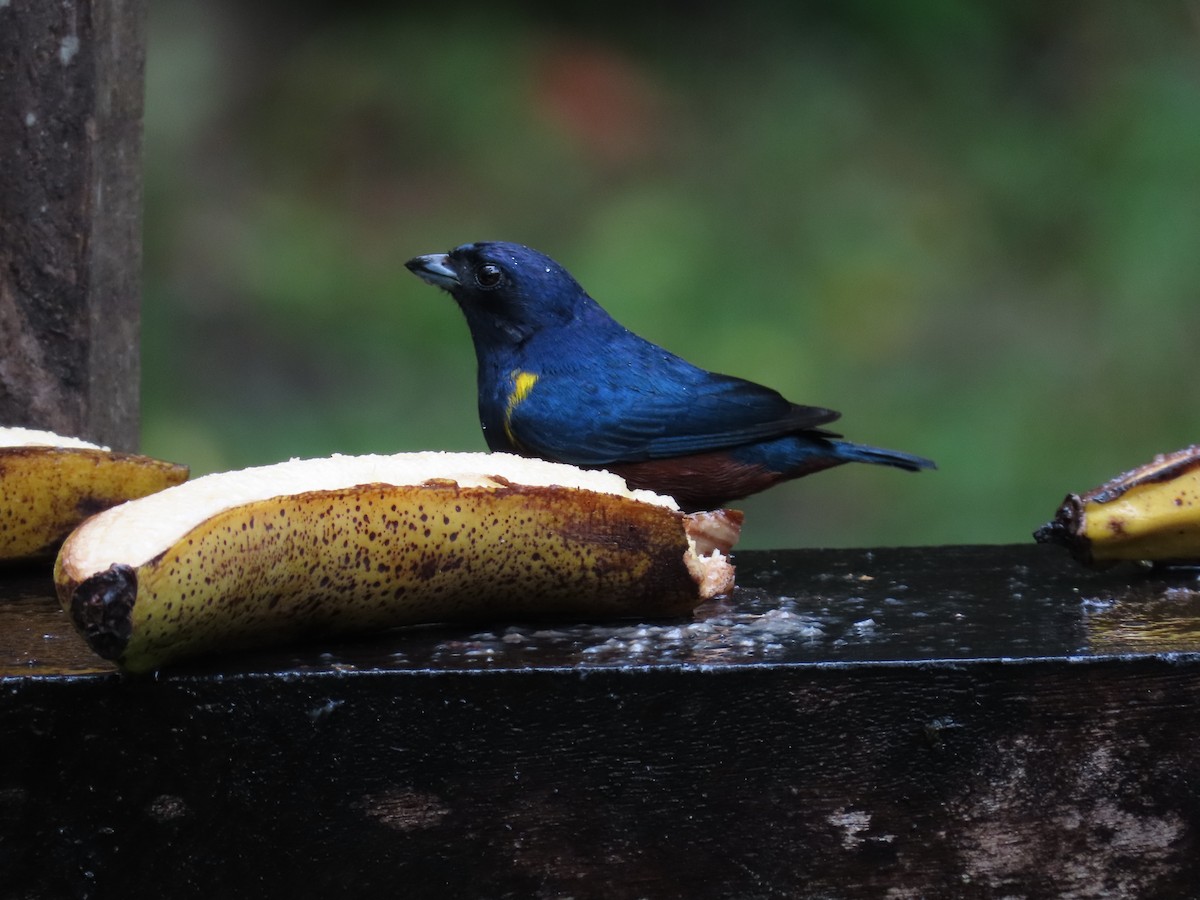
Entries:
{"x":70,"y":216}
{"x":975,"y":721}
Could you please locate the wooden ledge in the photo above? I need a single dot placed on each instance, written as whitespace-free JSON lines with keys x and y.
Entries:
{"x":792,"y":607}
{"x":953,"y":721}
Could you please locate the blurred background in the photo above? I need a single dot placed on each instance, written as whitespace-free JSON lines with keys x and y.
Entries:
{"x":972,"y":228}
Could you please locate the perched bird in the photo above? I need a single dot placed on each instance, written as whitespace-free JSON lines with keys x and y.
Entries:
{"x":560,"y":379}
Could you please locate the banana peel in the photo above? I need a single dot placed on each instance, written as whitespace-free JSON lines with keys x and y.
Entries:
{"x":1151,"y":513}
{"x":50,"y":483}
{"x":352,"y":544}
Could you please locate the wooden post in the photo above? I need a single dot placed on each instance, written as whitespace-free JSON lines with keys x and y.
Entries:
{"x":71,"y":80}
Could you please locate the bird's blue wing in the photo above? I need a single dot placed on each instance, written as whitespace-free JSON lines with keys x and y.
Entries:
{"x":639,"y":412}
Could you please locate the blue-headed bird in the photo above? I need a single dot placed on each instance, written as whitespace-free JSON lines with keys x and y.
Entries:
{"x":560,"y":379}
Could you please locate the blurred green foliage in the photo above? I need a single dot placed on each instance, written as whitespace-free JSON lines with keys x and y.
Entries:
{"x":972,"y":228}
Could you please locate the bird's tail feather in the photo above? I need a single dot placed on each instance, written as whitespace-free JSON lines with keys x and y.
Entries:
{"x":851,"y":452}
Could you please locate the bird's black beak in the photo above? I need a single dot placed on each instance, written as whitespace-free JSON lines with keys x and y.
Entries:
{"x":434,"y":268}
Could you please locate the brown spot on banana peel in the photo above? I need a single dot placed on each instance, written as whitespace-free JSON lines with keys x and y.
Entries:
{"x":377,"y":556}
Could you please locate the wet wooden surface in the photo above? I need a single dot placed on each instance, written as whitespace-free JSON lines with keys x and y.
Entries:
{"x":954,"y":721}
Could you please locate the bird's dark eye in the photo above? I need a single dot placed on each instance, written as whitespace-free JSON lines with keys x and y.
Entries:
{"x":488,"y":276}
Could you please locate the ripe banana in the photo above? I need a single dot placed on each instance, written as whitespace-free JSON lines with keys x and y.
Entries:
{"x":348,"y":544}
{"x":1149,"y":513}
{"x":50,"y":483}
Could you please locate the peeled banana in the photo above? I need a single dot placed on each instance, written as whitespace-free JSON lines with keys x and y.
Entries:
{"x":1149,"y":513}
{"x":348,"y":544}
{"x":50,"y":483}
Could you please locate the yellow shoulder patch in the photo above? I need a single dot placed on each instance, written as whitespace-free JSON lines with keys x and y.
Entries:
{"x":522,"y":384}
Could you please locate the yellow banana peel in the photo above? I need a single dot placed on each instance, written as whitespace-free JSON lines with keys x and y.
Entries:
{"x":352,"y":544}
{"x":1149,"y":513}
{"x":50,"y":483}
